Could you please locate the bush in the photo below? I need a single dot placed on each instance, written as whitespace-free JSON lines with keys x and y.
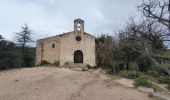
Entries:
{"x":56,"y":63}
{"x":89,"y":66}
{"x":118,"y":67}
{"x":44,"y":62}
{"x":132,"y":74}
{"x":153,"y":73}
{"x":142,"y":81}
{"x":164,"y":79}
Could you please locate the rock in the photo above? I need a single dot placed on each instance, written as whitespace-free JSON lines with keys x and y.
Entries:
{"x":161,"y":96}
{"x":156,"y":95}
{"x":145,"y":89}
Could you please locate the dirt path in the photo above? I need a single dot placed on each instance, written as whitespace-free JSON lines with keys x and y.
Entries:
{"x":62,"y":84}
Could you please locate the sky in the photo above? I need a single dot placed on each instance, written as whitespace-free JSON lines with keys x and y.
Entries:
{"x":52,"y":17}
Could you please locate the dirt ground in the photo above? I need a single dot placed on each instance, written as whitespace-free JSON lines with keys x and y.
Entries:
{"x":43,"y":83}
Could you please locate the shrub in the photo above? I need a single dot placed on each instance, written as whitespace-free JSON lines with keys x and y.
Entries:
{"x":132,"y":74}
{"x":45,"y":62}
{"x":164,"y":79}
{"x":56,"y":63}
{"x":142,"y":81}
{"x":153,"y":73}
{"x":89,"y":66}
{"x":118,"y":67}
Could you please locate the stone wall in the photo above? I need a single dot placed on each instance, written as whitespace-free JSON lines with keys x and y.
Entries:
{"x":65,"y":46}
{"x":45,"y":51}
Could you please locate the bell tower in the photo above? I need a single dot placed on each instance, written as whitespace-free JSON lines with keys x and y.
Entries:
{"x":79,"y":25}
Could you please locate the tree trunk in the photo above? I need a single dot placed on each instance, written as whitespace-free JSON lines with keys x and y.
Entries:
{"x":158,"y":65}
{"x":127,"y":65}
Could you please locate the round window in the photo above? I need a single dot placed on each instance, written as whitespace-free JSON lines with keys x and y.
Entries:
{"x":78,"y":38}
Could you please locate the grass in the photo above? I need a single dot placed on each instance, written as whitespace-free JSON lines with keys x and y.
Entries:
{"x":142,"y":81}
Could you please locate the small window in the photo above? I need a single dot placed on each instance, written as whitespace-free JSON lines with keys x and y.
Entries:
{"x":53,"y":45}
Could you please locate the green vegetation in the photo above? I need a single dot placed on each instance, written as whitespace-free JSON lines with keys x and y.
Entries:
{"x":142,"y":81}
{"x":136,"y":49}
{"x":45,"y":62}
{"x":140,"y":42}
{"x":131,"y":74}
{"x":144,"y":63}
{"x":153,"y":73}
{"x":56,"y":63}
{"x":164,"y":79}
{"x":16,"y":55}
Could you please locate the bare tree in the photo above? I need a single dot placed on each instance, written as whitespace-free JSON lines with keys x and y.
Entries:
{"x":156,"y":9}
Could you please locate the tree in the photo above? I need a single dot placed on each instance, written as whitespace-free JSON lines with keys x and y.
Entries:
{"x":9,"y":54}
{"x":126,"y":53}
{"x":157,"y":10}
{"x":104,"y":48}
{"x":146,"y":38}
{"x":113,"y":54}
{"x":23,"y":38}
{"x":1,"y":38}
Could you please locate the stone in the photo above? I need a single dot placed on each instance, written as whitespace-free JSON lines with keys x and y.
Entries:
{"x":76,"y":46}
{"x":145,"y":89}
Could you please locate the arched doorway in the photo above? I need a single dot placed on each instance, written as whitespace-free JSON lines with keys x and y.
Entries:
{"x":78,"y":56}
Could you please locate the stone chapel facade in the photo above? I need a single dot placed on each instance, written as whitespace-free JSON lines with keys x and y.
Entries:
{"x":73,"y":47}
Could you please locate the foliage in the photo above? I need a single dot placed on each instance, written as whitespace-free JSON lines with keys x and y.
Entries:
{"x":11,"y":55}
{"x":56,"y":63}
{"x":132,"y":74}
{"x":126,"y":54}
{"x":146,"y":38}
{"x":104,"y":49}
{"x":142,"y":81}
{"x":23,"y":38}
{"x":45,"y":62}
{"x":144,"y":63}
{"x":164,"y":79}
{"x":143,"y":39}
{"x":119,"y":67}
{"x":153,"y":73}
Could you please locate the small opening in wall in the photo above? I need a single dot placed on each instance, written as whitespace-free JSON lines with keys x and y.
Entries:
{"x":78,"y":38}
{"x":78,"y":27}
{"x":53,"y":45}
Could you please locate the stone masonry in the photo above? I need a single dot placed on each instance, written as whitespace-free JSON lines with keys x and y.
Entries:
{"x":73,"y":47}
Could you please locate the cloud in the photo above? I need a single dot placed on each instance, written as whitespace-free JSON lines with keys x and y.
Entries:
{"x":52,"y":17}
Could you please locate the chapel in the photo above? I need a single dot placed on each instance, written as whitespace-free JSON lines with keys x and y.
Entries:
{"x":76,"y":47}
